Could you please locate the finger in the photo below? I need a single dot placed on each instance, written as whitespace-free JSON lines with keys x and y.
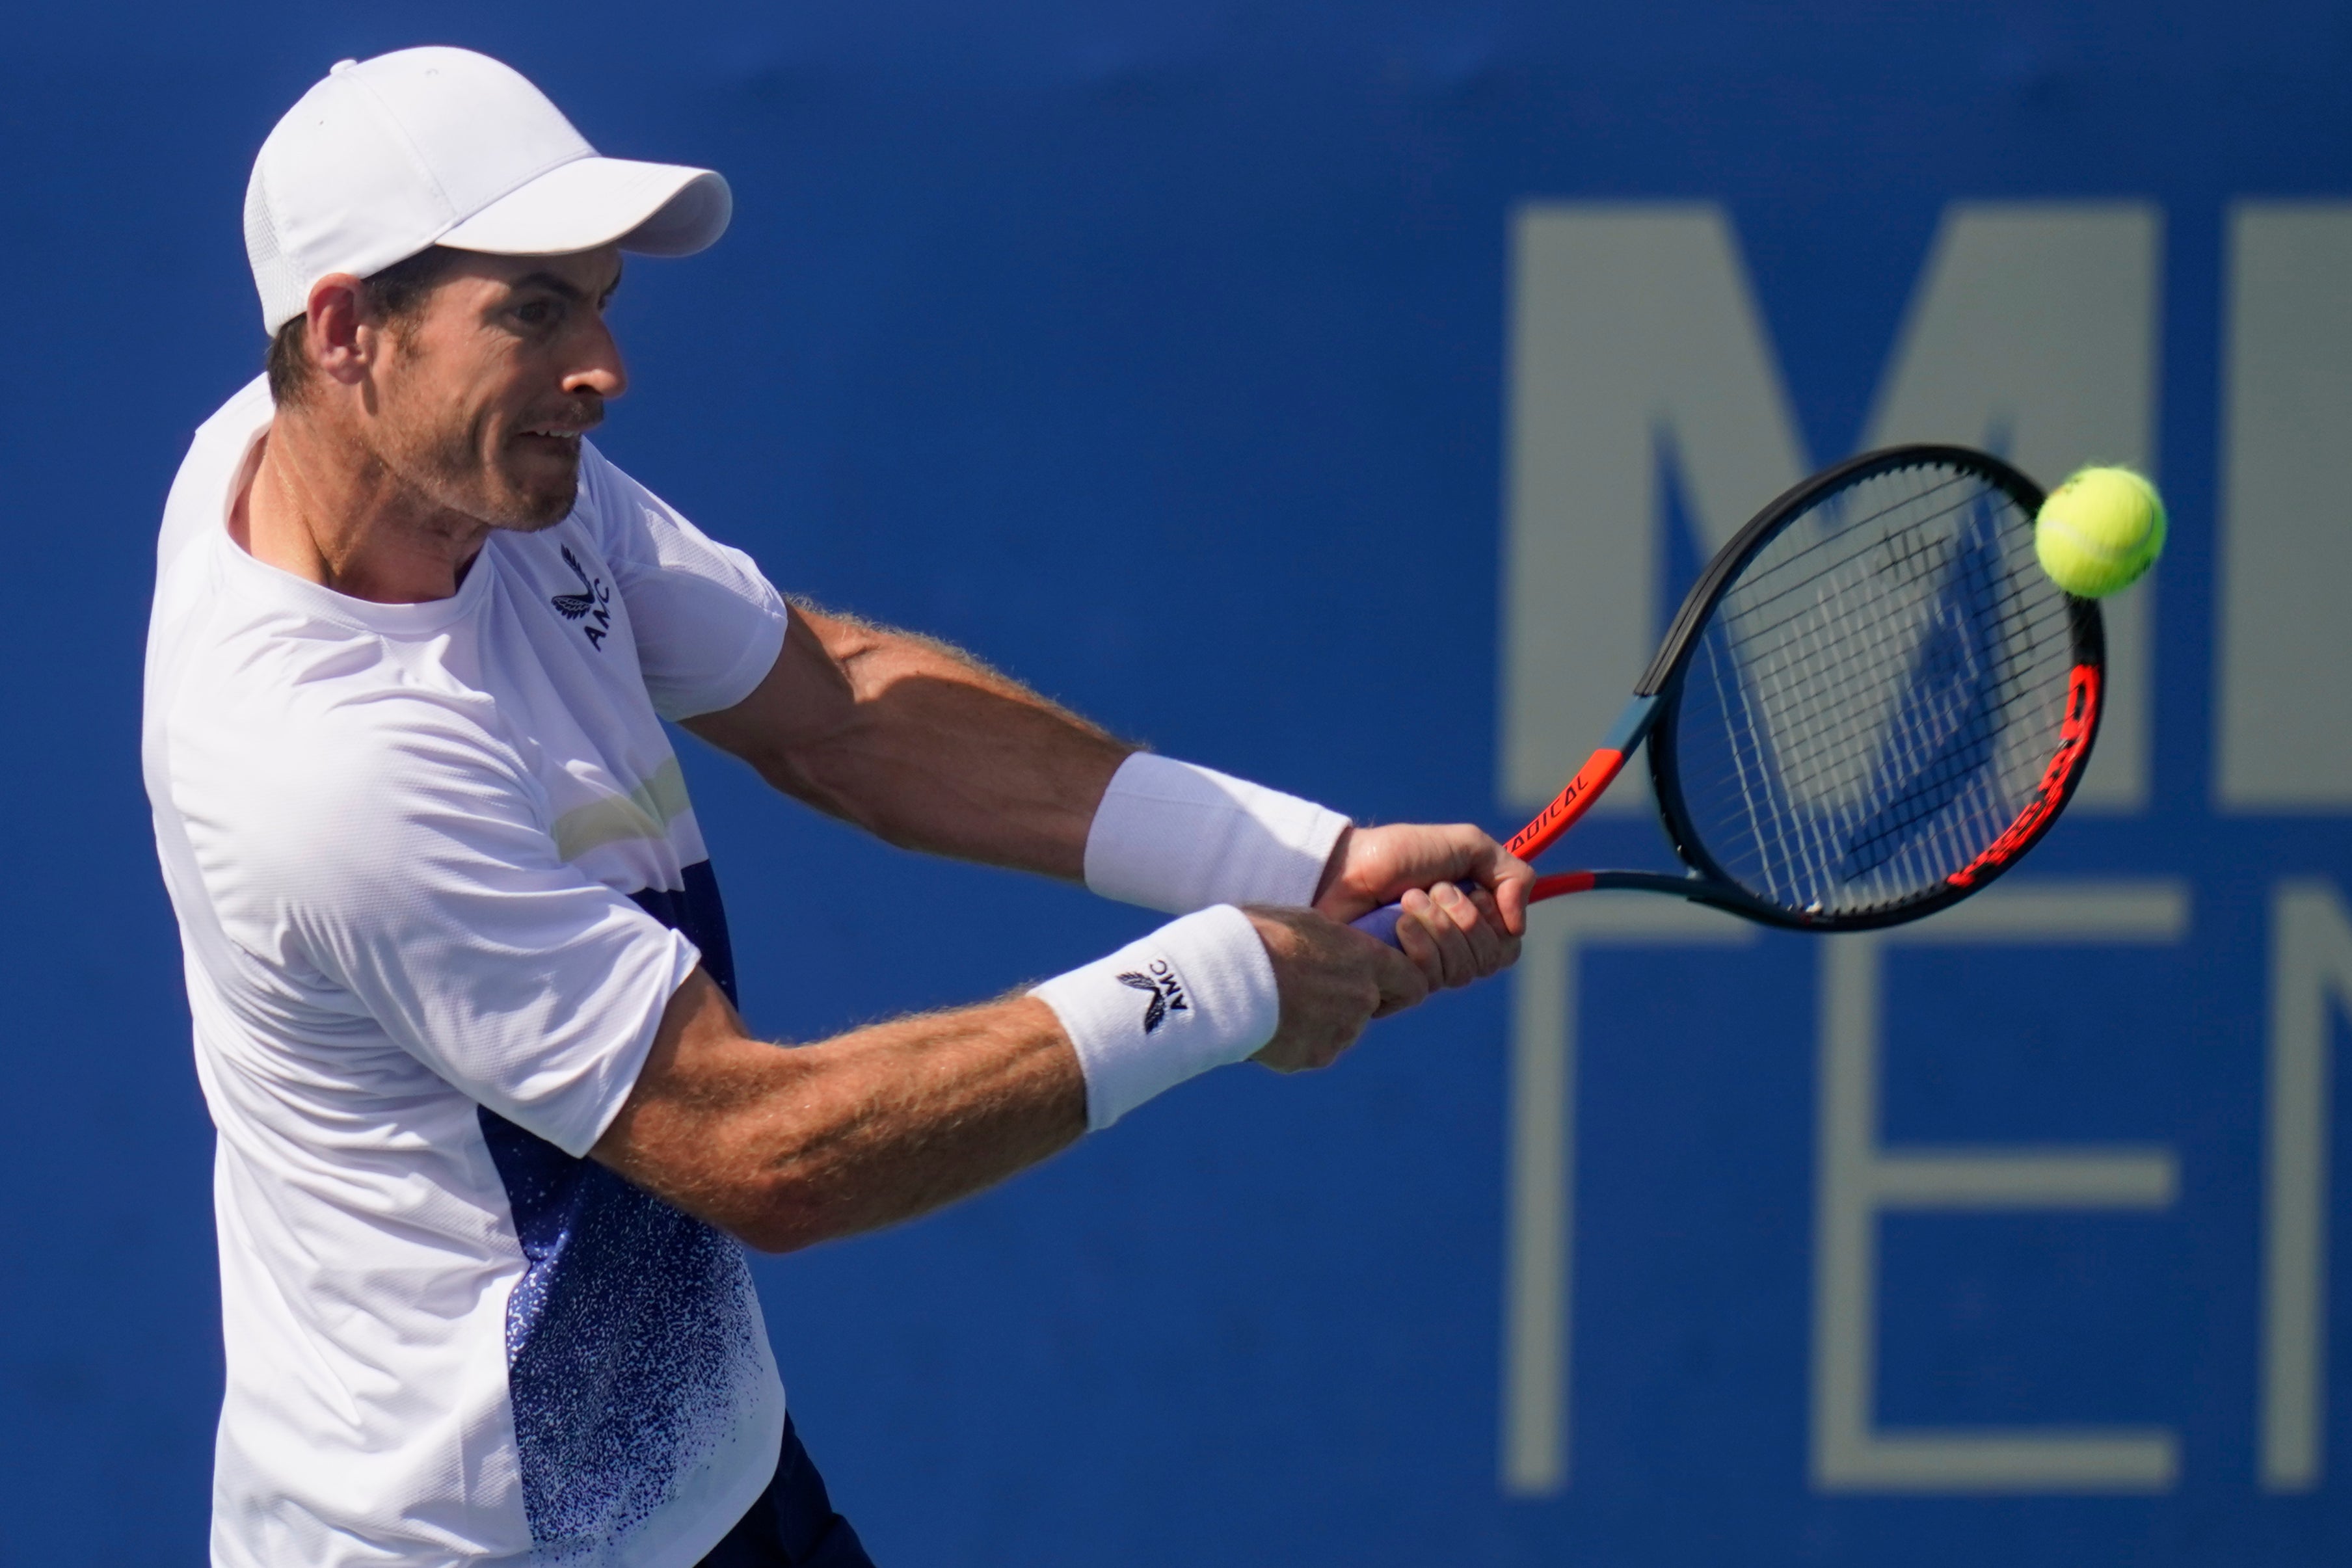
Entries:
{"x":1507,"y":946}
{"x":1417,"y":939}
{"x":1456,"y":966}
{"x":1482,"y":931}
{"x":1459,"y":929}
{"x":1511,"y":892}
{"x":1509,"y":878}
{"x":1487,"y":938}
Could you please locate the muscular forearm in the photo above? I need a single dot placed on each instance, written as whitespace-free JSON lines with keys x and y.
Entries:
{"x":922,"y":746}
{"x":788,"y":1147}
{"x":785,"y":1147}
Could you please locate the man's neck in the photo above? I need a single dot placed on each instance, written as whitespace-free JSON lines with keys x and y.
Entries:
{"x":321,"y":507}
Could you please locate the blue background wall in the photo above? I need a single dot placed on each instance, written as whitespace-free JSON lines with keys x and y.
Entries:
{"x":1158,"y":351}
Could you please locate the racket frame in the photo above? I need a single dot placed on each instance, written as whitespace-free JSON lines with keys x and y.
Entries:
{"x":1650,"y":716}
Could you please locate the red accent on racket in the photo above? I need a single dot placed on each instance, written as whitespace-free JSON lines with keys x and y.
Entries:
{"x":1871,"y":704}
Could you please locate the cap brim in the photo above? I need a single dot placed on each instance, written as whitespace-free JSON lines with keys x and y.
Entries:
{"x":657,"y":209}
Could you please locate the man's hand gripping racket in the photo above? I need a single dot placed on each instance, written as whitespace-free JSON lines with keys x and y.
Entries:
{"x":1872,"y":703}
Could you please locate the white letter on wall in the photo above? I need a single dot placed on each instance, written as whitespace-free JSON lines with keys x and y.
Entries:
{"x":1539,"y":1264}
{"x":1630,"y":325}
{"x":1859,"y":1179}
{"x":1636,"y":338}
{"x":2283,"y":709}
{"x":2311,"y":962}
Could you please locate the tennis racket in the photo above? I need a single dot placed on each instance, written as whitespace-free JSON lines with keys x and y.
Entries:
{"x":1872,"y":703}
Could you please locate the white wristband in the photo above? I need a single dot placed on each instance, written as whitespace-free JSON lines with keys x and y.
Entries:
{"x":1174,"y":837}
{"x":1197,"y":993}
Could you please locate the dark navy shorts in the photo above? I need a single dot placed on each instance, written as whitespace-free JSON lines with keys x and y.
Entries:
{"x":793,"y":1526}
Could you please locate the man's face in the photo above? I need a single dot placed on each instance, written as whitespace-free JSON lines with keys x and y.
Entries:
{"x":481,"y":401}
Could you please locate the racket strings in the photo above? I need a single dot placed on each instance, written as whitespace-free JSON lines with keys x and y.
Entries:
{"x":1904,"y":558}
{"x":1832,"y":734}
{"x":1919,"y":748}
{"x":1875,"y":698}
{"x":1770,"y":578}
{"x":1934,"y":750}
{"x":1847,"y":682}
{"x":1857,"y":688}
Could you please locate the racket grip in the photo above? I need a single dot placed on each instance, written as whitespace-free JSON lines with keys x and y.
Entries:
{"x":1382,"y":923}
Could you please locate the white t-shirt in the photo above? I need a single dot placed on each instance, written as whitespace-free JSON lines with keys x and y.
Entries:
{"x":436,"y":877}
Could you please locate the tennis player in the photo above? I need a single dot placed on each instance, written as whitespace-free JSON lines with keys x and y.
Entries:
{"x":492,"y":1132}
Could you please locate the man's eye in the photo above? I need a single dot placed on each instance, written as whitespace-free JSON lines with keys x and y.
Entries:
{"x":538,"y":313}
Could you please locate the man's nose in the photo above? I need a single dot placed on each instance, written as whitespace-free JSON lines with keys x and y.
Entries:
{"x":599,"y":371}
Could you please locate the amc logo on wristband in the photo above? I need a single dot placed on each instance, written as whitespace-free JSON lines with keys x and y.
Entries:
{"x":1160,"y":981}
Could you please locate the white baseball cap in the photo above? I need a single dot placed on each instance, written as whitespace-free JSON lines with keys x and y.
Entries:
{"x":439,"y":146}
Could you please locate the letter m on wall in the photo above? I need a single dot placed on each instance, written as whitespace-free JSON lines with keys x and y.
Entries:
{"x":1636,"y":343}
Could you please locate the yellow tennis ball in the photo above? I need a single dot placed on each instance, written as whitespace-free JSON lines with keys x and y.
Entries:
{"x":2099,"y":531}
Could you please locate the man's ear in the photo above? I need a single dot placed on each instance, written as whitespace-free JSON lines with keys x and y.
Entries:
{"x":341,"y":338}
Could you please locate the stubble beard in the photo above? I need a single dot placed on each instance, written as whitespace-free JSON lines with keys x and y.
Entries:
{"x":448,"y":467}
{"x":441,"y":453}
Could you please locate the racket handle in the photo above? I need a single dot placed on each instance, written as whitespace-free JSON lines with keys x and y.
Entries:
{"x":1382,"y":923}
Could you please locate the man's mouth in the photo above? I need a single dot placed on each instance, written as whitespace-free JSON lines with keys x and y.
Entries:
{"x":568,"y":433}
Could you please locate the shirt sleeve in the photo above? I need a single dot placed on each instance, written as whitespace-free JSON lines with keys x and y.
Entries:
{"x":410,"y":864}
{"x":709,"y":624}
